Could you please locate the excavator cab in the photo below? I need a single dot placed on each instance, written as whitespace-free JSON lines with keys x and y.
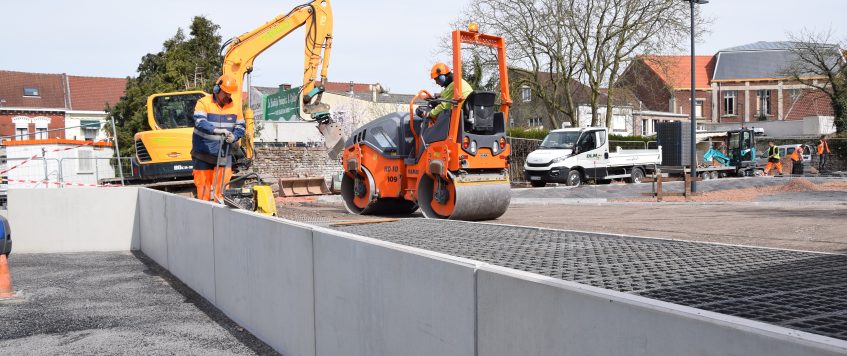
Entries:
{"x":742,"y":151}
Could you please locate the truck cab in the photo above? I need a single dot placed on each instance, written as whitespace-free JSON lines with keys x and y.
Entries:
{"x":574,"y":155}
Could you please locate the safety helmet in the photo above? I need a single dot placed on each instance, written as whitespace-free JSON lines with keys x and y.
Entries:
{"x":439,"y":69}
{"x":226,"y":83}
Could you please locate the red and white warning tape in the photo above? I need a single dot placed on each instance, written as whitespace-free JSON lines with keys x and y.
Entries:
{"x":60,"y":183}
{"x":51,"y":151}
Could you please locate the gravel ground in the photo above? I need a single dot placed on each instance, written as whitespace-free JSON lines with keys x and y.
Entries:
{"x":112,"y":304}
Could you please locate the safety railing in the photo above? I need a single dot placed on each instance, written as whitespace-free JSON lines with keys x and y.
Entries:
{"x":38,"y":172}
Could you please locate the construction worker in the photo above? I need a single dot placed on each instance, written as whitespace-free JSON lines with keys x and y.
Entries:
{"x":823,"y":153}
{"x":217,"y":125}
{"x":773,"y":159}
{"x":797,"y":161}
{"x":444,"y":78}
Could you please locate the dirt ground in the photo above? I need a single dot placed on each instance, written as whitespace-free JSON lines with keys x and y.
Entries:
{"x":796,"y":215}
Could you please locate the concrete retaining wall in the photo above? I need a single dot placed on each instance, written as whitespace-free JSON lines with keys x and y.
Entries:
{"x":521,"y":313}
{"x":373,"y":298}
{"x":74,"y":220}
{"x":311,"y":291}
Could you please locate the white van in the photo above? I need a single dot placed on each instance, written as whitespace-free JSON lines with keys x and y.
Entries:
{"x":574,"y":155}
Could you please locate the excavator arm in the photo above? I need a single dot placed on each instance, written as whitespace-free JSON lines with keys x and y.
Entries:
{"x":241,"y":51}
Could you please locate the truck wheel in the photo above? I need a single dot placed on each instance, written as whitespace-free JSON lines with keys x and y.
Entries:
{"x":713,"y":175}
{"x":537,"y":184}
{"x":637,"y":176}
{"x":574,"y":178}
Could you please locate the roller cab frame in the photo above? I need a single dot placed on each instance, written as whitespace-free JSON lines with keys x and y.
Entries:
{"x":453,"y":167}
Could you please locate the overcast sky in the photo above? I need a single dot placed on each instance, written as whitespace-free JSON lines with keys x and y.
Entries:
{"x":390,"y":42}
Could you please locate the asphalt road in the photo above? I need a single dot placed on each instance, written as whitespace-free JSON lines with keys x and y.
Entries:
{"x":112,"y":304}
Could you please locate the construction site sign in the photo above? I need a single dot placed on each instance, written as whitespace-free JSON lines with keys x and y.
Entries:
{"x":283,"y":105}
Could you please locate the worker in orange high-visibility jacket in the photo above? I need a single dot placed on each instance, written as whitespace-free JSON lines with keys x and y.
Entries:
{"x":823,"y":153}
{"x":217,"y":124}
{"x":773,"y":159}
{"x":797,"y":161}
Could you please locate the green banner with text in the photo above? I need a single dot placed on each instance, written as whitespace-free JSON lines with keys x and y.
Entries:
{"x":283,"y":105}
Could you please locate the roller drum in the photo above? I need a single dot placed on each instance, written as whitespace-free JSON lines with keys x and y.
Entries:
{"x":473,"y":198}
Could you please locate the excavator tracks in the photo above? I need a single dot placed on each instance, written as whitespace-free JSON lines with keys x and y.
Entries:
{"x":799,"y":290}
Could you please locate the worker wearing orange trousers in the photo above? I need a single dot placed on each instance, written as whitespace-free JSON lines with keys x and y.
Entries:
{"x":218,"y":125}
{"x":773,"y":159}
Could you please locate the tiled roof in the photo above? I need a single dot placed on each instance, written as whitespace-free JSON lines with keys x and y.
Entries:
{"x":51,"y":90}
{"x":93,"y":93}
{"x":762,"y":46}
{"x":676,"y":70}
{"x":760,"y":61}
{"x":345,"y":87}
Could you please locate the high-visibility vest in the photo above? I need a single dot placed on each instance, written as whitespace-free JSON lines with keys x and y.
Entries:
{"x":773,"y":152}
{"x":823,"y":146}
{"x":795,"y":156}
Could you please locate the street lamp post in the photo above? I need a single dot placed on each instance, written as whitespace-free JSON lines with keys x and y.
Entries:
{"x":693,"y":122}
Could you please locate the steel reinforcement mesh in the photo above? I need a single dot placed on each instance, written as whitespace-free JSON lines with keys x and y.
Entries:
{"x":799,"y":290}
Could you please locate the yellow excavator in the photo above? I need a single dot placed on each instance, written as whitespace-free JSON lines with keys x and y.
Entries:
{"x":163,"y":154}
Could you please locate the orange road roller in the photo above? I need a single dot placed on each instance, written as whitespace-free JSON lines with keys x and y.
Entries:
{"x":452,"y":167}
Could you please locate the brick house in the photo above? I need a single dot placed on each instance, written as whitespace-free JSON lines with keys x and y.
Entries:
{"x":529,"y":111}
{"x":663,"y":84}
{"x":750,"y":84}
{"x":34,"y":105}
{"x":740,"y":84}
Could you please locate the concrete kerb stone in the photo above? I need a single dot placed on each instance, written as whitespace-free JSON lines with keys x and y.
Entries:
{"x":154,"y":221}
{"x":591,"y":320}
{"x":377,"y":298}
{"x":264,"y":278}
{"x":190,"y":247}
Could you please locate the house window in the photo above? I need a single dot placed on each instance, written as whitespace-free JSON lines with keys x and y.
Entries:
{"x":40,"y":133}
{"x":526,"y":94}
{"x":763,"y":105}
{"x":21,"y":133}
{"x":698,"y":110}
{"x":30,"y":91}
{"x":86,"y":164}
{"x":535,"y":122}
{"x":729,"y":102}
{"x":646,"y":127}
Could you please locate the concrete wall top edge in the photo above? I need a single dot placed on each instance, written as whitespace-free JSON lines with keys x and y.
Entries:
{"x":748,"y":325}
{"x":402,"y":248}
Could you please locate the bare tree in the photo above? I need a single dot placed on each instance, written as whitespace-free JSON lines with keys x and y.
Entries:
{"x":541,"y":55}
{"x":611,"y":33}
{"x":820,"y":64}
{"x":552,"y":43}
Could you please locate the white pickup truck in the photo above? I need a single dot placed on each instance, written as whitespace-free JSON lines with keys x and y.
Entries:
{"x":574,"y":155}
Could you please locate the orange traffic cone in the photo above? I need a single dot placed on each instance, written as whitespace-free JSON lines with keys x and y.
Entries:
{"x":6,"y":290}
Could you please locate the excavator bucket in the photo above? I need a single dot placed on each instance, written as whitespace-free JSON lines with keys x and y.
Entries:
{"x":333,"y":138}
{"x":298,"y":187}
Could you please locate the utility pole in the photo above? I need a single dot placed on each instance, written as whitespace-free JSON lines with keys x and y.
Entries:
{"x":693,"y":122}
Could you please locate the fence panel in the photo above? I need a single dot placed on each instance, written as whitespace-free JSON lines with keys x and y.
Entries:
{"x":521,"y":147}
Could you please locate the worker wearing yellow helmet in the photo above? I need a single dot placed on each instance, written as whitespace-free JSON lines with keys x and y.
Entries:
{"x":444,"y":78}
{"x":218,"y":124}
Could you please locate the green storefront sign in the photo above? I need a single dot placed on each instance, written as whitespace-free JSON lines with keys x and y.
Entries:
{"x":283,"y":105}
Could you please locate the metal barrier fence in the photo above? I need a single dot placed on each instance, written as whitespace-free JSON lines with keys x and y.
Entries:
{"x":62,"y":172}
{"x":521,"y":147}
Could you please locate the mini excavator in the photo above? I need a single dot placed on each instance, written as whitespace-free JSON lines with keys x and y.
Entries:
{"x":453,"y":167}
